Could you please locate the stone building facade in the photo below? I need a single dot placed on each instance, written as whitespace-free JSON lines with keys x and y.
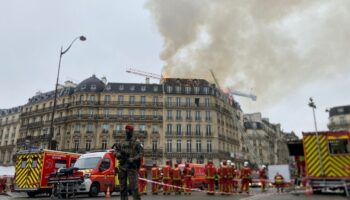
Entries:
{"x":9,"y":129}
{"x":178,"y":119}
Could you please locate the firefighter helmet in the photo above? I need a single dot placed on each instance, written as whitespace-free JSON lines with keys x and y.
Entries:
{"x":210,"y":162}
{"x":245,"y":164}
{"x":129,"y":127}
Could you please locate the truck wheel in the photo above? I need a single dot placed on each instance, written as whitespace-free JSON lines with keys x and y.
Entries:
{"x":94,"y":190}
{"x":31,"y":194}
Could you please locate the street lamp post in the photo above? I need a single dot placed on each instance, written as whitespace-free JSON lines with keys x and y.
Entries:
{"x":62,"y":52}
{"x":313,"y":106}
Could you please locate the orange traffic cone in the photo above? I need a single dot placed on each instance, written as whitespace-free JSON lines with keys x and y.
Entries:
{"x":108,"y":194}
{"x":308,"y":189}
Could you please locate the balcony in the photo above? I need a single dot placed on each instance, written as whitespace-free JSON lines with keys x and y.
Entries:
{"x":102,"y":117}
{"x":189,"y":105}
{"x":118,"y":104}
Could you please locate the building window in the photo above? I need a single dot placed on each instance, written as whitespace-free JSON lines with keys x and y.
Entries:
{"x":169,"y":146}
{"x":93,"y":87}
{"x":132,"y":100}
{"x":143,"y":100}
{"x":198,"y":115}
{"x":142,"y":128}
{"x":198,"y":129}
{"x":120,"y":99}
{"x":143,"y":88}
{"x":178,"y":89}
{"x":155,"y":100}
{"x":155,"y":88}
{"x":188,"y":129}
{"x":81,"y":99}
{"x":209,"y":146}
{"x":76,"y":145}
{"x":178,"y":101}
{"x":107,"y":99}
{"x":178,"y":129}
{"x":92,"y":98}
{"x":339,"y":146}
{"x":120,"y":112}
{"x":189,"y":146}
{"x":89,"y":128}
{"x":169,"y":101}
{"x":155,"y":128}
{"x":178,"y":146}
{"x":169,"y":115}
{"x":206,"y":90}
{"x":155,"y":114}
{"x":188,"y":101}
{"x":178,"y":114}
{"x":106,"y":112}
{"x":104,"y":144}
{"x":188,"y":115}
{"x":88,"y":145}
{"x":188,"y":90}
{"x":77,"y":128}
{"x":169,"y":129}
{"x":169,"y":89}
{"x":105,"y":128}
{"x":196,"y":90}
{"x":207,"y":115}
{"x":196,"y":102}
{"x":142,"y":114}
{"x":108,"y":87}
{"x":154,"y":145}
{"x":208,"y":133}
{"x":119,"y":128}
{"x":198,"y":146}
{"x":92,"y":113}
{"x":206,"y":102}
{"x":131,"y":113}
{"x":132,"y":87}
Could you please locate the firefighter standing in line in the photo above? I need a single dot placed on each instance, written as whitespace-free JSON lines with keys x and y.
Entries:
{"x":167,"y":173}
{"x":210,"y":172}
{"x":223,"y":173}
{"x":229,"y":177}
{"x":177,"y":179}
{"x":246,"y":173}
{"x":263,"y":178}
{"x":279,"y":182}
{"x":129,"y":153}
{"x":234,"y":177}
{"x":188,"y":173}
{"x":142,"y":183}
{"x":155,"y":177}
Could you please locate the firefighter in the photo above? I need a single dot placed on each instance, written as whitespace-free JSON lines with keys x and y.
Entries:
{"x":188,"y":173}
{"x":223,"y":174}
{"x":210,"y":172}
{"x":129,"y":153}
{"x":246,"y":173}
{"x":143,"y":183}
{"x":263,"y":178}
{"x":234,"y":172}
{"x":155,"y":177}
{"x":177,"y":179}
{"x":279,"y":182}
{"x":167,"y":173}
{"x":229,"y":180}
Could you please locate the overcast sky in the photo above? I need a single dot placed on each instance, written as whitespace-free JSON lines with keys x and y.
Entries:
{"x":121,"y":34}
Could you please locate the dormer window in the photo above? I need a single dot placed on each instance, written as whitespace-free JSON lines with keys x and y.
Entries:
{"x":178,"y":89}
{"x":206,"y":90}
{"x":121,"y":87}
{"x":143,"y":88}
{"x":187,"y":89}
{"x":155,"y":88}
{"x":196,"y":90}
{"x":93,"y":87}
{"x":108,"y":87}
{"x":169,"y":89}
{"x":132,"y":88}
{"x":83,"y":87}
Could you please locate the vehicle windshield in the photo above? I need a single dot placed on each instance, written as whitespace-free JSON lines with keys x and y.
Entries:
{"x":87,"y":163}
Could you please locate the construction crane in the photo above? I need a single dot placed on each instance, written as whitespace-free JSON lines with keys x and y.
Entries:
{"x":148,"y":75}
{"x":231,"y":91}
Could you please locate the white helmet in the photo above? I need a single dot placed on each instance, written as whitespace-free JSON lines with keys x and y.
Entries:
{"x":263,"y":166}
{"x":233,"y":164}
{"x":246,"y":164}
{"x":229,"y":162}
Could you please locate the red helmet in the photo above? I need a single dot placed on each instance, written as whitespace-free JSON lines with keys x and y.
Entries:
{"x":129,"y":127}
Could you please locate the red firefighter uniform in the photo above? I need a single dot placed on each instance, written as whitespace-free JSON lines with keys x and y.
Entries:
{"x":279,"y":182}
{"x":246,"y":173}
{"x":229,"y":179}
{"x":223,"y":177}
{"x":234,"y":172}
{"x":155,"y":177}
{"x":263,"y":178}
{"x":210,"y":172}
{"x":177,"y":179}
{"x":167,"y":173}
{"x":142,"y":183}
{"x":188,"y":173}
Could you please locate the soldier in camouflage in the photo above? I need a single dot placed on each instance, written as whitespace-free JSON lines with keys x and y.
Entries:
{"x":129,"y":153}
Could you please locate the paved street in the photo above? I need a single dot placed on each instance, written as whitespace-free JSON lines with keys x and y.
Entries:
{"x":199,"y":196}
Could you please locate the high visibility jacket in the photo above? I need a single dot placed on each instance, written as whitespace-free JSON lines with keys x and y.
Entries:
{"x":224,"y":171}
{"x":210,"y":172}
{"x":279,"y":179}
{"x":246,"y":172}
{"x":234,"y":172}
{"x":229,"y":171}
{"x":143,"y":172}
{"x":262,"y":174}
{"x":188,"y":172}
{"x":155,"y":173}
{"x":177,"y":174}
{"x":167,"y":172}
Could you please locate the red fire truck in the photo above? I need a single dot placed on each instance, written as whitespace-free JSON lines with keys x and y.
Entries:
{"x":33,"y":168}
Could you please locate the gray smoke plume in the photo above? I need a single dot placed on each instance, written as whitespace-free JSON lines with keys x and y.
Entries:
{"x":271,"y":46}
